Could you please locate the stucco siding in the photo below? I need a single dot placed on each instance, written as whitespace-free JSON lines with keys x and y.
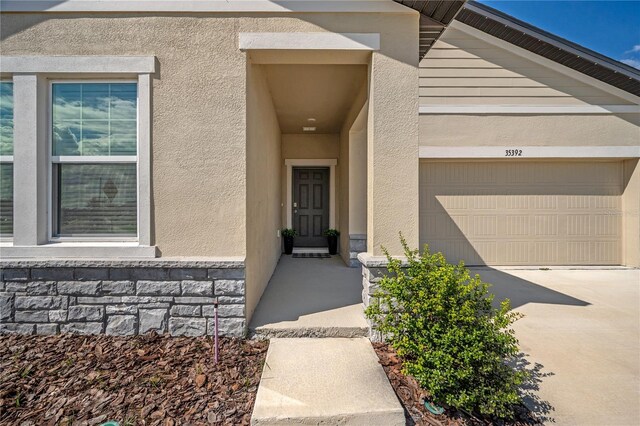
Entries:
{"x":263,"y":188}
{"x":631,"y":210}
{"x":392,"y":147}
{"x":199,"y":128}
{"x":346,"y":197}
{"x":527,"y":129}
{"x":310,"y":145}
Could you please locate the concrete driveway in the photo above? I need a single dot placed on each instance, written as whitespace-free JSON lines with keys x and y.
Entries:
{"x":581,"y":340}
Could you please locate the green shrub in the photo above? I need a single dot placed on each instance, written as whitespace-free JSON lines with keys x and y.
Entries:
{"x":289,"y":232}
{"x":331,"y":232}
{"x":442,"y":324}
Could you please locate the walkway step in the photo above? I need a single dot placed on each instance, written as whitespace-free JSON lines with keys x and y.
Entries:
{"x":289,"y":332}
{"x":325,"y":381}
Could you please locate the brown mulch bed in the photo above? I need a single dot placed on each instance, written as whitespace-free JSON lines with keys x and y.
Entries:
{"x":138,"y":380}
{"x":412,"y":398}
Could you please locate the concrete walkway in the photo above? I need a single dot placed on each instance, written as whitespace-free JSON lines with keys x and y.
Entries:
{"x":311,"y":298}
{"x":325,"y":381}
{"x":581,"y":341}
{"x":333,"y":380}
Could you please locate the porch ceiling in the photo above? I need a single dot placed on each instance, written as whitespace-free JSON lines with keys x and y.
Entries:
{"x":323,"y":92}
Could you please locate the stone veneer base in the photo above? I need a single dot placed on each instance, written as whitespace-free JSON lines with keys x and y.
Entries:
{"x":357,"y":245}
{"x":374,"y":268}
{"x":122,"y":297}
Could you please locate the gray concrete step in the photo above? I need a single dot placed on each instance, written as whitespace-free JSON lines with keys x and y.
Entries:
{"x":307,"y":331}
{"x":325,"y":381}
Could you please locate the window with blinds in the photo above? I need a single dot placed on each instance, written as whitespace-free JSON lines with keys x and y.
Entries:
{"x":94,"y":159}
{"x":6,"y":158}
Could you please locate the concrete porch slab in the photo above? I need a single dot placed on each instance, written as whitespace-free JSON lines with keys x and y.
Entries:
{"x":311,"y":298}
{"x":325,"y":381}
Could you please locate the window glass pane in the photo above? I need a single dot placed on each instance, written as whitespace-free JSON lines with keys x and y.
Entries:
{"x":67,"y":103}
{"x":66,"y":137}
{"x":97,"y":199}
{"x":124,"y":101}
{"x":6,"y":118}
{"x":95,"y":101}
{"x":6,"y":199}
{"x":94,"y":119}
{"x":124,"y":137}
{"x":95,"y":137}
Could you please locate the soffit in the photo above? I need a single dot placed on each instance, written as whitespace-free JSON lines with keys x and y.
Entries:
{"x":323,"y":92}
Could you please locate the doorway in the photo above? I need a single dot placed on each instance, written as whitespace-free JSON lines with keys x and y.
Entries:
{"x":310,"y":206}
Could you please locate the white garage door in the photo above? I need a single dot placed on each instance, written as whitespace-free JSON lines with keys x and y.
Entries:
{"x":522,"y":213}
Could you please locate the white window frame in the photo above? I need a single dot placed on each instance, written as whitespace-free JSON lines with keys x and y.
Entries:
{"x":33,"y":77}
{"x":7,"y":159}
{"x":79,"y":159}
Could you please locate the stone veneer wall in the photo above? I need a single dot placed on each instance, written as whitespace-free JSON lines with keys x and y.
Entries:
{"x":357,"y":245}
{"x":370,"y":278}
{"x":373,"y":269}
{"x":122,"y":297}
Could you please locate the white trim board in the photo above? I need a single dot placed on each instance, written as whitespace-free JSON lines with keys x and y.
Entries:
{"x":529,"y":109}
{"x":203,"y":6}
{"x":309,"y":41}
{"x":457,"y":25}
{"x":94,"y":159}
{"x":69,"y":250}
{"x":528,"y":152}
{"x":325,"y":162}
{"x":79,"y":64}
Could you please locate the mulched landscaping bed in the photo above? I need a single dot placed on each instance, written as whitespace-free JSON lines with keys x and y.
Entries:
{"x":138,"y":380}
{"x":412,"y":396}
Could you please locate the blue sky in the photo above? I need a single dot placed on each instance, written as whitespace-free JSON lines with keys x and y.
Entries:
{"x":608,"y":27}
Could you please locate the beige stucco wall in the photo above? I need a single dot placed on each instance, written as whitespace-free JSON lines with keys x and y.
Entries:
{"x":310,"y":145}
{"x":263,"y":188}
{"x":199,"y":137}
{"x":353,"y":210}
{"x":392,"y":143}
{"x":535,"y":130}
{"x":631,"y":212}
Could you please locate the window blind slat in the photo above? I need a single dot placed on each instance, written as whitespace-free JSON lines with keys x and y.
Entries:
{"x":6,"y":199}
{"x":98,"y":199}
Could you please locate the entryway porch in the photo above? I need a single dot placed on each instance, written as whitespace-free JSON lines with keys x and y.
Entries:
{"x":311,"y":297}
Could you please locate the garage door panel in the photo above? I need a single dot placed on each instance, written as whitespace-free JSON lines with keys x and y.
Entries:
{"x":522,"y":213}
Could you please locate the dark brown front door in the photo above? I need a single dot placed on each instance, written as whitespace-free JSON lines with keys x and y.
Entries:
{"x":310,"y":206}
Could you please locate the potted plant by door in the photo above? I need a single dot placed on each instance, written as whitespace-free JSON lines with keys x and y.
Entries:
{"x":332,"y":239}
{"x":288,"y":234}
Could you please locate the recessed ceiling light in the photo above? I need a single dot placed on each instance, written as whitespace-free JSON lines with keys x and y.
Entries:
{"x":311,"y":120}
{"x":308,"y":129}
